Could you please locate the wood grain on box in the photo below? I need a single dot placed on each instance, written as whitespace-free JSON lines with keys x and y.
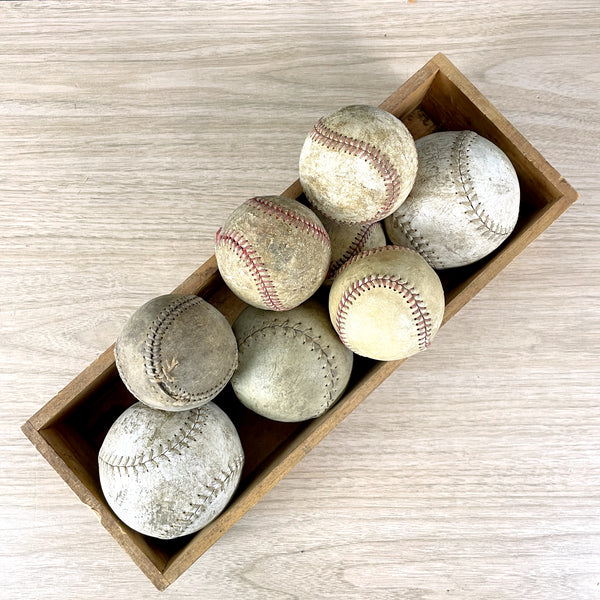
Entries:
{"x":69,"y":429}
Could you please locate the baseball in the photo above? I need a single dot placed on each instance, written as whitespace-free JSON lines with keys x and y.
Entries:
{"x":292,"y":365}
{"x":176,"y":352}
{"x":273,"y":252}
{"x":168,"y":474}
{"x":358,"y":164}
{"x":348,"y":239}
{"x":464,"y":204}
{"x":386,"y":303}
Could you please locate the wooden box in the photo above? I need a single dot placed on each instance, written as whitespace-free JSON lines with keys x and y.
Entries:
{"x":69,"y":429}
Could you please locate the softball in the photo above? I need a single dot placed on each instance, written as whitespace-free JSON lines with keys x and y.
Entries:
{"x":358,"y":164}
{"x":292,"y":365}
{"x":348,"y":239}
{"x":386,"y":303}
{"x":464,"y":204}
{"x":273,"y":252}
{"x":168,"y":474}
{"x":176,"y":352}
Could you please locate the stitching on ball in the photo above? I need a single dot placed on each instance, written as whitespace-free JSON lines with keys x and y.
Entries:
{"x":484,"y":223}
{"x":357,"y":245}
{"x":235,"y":242}
{"x":417,"y":242}
{"x":204,"y":499}
{"x":296,"y":330}
{"x":371,"y":252}
{"x":421,"y":316}
{"x":125,"y":465}
{"x":288,"y":215}
{"x":368,"y":152}
{"x":158,"y":370}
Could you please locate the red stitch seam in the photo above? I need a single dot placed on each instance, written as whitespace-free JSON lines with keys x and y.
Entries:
{"x":381,"y":162}
{"x":421,"y":316}
{"x":289,"y":216}
{"x":243,"y":249}
{"x":355,"y":247}
{"x":370,"y":252}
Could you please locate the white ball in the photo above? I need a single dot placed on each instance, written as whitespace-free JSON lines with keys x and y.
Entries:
{"x":464,"y":203}
{"x":168,"y":474}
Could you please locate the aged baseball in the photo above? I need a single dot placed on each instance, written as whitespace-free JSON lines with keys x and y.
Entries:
{"x":292,"y":365}
{"x":386,"y":303}
{"x":464,"y":204}
{"x":273,"y":252}
{"x":176,"y":352}
{"x":348,"y":239}
{"x":358,"y":164}
{"x":168,"y":474}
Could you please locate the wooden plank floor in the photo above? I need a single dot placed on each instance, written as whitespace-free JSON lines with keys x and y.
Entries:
{"x":129,"y":131}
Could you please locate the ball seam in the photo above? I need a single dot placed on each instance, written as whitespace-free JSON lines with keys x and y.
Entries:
{"x":203,"y":499}
{"x":417,"y":241}
{"x":158,"y":372}
{"x":421,"y":316}
{"x":484,"y":223}
{"x":356,"y":246}
{"x":371,"y":252}
{"x":288,"y":215}
{"x":242,"y":248}
{"x":332,"y":140}
{"x":124,"y":464}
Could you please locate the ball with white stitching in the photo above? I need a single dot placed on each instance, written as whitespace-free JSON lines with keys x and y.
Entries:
{"x":386,"y":303}
{"x":292,"y":365}
{"x":273,"y":252}
{"x":358,"y":164}
{"x":464,"y":204}
{"x":168,"y":474}
{"x":176,"y":352}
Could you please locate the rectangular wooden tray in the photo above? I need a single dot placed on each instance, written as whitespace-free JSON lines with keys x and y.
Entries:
{"x":69,"y":429}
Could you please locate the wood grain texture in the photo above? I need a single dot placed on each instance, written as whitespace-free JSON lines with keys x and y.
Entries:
{"x":128,"y":132}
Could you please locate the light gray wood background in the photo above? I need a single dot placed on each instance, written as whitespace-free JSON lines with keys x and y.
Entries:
{"x":129,"y":131}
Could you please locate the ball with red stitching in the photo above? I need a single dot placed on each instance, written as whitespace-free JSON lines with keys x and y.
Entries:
{"x":386,"y":303}
{"x":273,"y":252}
{"x":348,"y":239}
{"x":358,"y":164}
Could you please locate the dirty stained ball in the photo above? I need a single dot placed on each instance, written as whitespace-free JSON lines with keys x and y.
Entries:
{"x":168,"y":474}
{"x":292,"y":365}
{"x":464,"y":203}
{"x":348,"y":239}
{"x":358,"y":164}
{"x":176,"y":352}
{"x":273,"y":252}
